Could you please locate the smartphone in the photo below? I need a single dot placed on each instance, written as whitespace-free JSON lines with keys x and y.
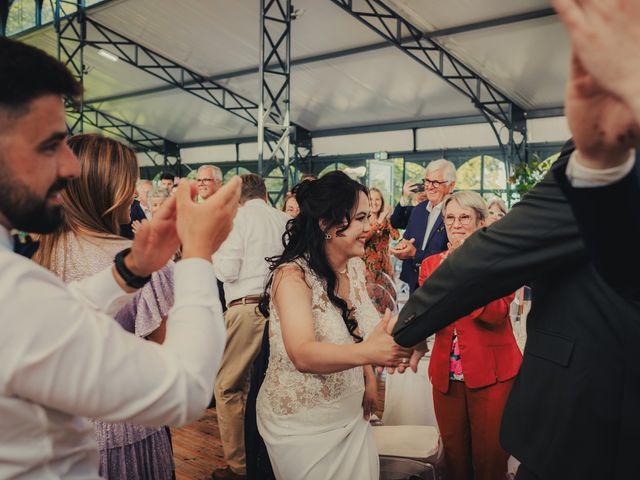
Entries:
{"x":418,"y":187}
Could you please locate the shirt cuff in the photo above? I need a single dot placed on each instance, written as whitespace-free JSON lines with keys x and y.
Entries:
{"x":195,"y":283}
{"x":584,"y":177}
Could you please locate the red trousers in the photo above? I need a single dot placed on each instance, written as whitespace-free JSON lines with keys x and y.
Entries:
{"x":469,"y":422}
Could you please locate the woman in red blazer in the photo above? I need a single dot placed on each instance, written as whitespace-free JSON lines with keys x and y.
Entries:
{"x":473,"y":363}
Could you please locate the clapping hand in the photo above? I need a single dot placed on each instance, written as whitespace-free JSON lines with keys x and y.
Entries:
{"x":603,"y":93}
{"x":155,"y":242}
{"x":404,"y":250}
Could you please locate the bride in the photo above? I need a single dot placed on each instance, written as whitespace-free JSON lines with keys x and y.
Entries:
{"x":319,"y":389}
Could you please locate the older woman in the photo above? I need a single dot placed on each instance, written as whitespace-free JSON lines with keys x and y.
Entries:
{"x":473,"y":363}
{"x":497,"y":210}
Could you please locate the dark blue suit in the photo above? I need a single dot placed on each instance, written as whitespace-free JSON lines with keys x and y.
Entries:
{"x":416,"y":228}
{"x":400,"y":216}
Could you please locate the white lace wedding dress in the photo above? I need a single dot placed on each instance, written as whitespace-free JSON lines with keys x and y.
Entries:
{"x":313,"y":424}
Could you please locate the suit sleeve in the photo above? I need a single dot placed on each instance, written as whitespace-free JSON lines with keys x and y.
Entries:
{"x":400,"y":216}
{"x":596,"y":209}
{"x":538,"y":236}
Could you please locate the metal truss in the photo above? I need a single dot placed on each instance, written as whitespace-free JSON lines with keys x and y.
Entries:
{"x":71,"y":28}
{"x":400,"y":32}
{"x":139,"y":56}
{"x":274,"y":122}
{"x":70,"y":25}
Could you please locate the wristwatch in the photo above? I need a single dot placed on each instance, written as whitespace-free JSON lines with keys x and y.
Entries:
{"x":127,"y":275}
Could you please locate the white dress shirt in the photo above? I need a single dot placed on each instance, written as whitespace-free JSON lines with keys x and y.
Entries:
{"x":434,"y":213}
{"x":584,"y":177}
{"x":240,"y":262}
{"x":63,"y":357}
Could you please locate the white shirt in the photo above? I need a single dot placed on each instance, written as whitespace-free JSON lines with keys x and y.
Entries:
{"x":434,"y":213}
{"x":63,"y":357}
{"x":583,"y":177}
{"x":240,"y":262}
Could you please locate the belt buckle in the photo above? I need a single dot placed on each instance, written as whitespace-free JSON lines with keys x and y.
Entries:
{"x":244,"y":300}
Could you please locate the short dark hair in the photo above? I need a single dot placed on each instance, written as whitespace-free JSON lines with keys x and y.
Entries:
{"x":27,"y":73}
{"x":253,"y":186}
{"x":167,"y":176}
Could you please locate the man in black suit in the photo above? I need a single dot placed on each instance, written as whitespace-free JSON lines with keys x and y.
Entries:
{"x":605,"y":36}
{"x":574,"y":410}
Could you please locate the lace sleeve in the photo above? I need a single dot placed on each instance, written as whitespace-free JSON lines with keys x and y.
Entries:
{"x":145,"y":312}
{"x":366,"y":313}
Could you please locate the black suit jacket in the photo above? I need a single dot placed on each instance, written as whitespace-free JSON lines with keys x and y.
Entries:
{"x":613,"y":251}
{"x":574,"y":410}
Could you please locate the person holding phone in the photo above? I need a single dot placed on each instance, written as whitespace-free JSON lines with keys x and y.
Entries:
{"x":425,"y":233}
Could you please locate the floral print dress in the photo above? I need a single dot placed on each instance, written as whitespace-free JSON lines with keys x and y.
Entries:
{"x":379,"y":269}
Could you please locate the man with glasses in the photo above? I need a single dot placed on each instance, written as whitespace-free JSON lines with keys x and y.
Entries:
{"x":208,"y":181}
{"x":425,"y":234}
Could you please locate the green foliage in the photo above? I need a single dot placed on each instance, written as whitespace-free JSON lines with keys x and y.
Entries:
{"x":525,"y":176}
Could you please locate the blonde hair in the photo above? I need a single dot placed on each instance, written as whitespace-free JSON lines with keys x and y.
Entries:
{"x":468,"y":199}
{"x":498,"y":201}
{"x":95,"y":201}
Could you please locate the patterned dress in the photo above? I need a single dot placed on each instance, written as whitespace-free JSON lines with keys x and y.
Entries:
{"x":380,"y":284}
{"x":127,"y":451}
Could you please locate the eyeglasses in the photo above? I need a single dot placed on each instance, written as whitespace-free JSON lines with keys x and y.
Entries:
{"x":451,"y":219}
{"x":205,"y":180}
{"x":433,"y":183}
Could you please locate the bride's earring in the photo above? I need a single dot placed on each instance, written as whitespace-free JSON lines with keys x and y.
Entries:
{"x":327,"y":236}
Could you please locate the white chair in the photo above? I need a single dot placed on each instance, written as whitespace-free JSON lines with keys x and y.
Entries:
{"x":409,"y":452}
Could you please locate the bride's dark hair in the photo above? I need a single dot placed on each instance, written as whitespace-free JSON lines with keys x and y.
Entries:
{"x":331,"y":199}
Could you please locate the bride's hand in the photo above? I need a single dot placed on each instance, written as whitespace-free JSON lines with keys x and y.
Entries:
{"x":370,"y":395}
{"x":381,"y":349}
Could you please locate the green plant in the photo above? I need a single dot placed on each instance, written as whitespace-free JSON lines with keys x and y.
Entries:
{"x":526,"y":175}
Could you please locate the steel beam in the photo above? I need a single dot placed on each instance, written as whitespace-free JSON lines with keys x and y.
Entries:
{"x":412,"y":41}
{"x":5,"y":5}
{"x":337,"y":54}
{"x":494,"y":22}
{"x":174,"y":74}
{"x":70,"y":25}
{"x":274,"y":122}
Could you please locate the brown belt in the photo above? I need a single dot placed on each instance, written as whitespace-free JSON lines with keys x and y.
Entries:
{"x":248,"y":300}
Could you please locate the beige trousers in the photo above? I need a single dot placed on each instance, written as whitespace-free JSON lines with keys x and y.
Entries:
{"x":245,"y":326}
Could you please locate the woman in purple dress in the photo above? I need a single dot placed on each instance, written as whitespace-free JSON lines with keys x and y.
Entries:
{"x":95,"y":205}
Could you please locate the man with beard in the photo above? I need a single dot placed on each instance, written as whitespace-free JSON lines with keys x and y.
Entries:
{"x":63,"y":356}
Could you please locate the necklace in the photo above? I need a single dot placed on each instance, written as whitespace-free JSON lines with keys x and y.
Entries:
{"x":343,"y":272}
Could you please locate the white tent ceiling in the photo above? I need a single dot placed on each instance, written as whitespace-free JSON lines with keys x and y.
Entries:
{"x":527,"y":61}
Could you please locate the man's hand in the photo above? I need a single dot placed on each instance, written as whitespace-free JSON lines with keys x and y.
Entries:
{"x":155,"y":243}
{"x":404,"y":250}
{"x":605,"y":35}
{"x":604,"y":128}
{"x":407,"y":190}
{"x":203,"y":227}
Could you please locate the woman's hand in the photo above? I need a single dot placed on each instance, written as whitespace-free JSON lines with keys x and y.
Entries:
{"x":370,"y":399}
{"x":380,"y":347}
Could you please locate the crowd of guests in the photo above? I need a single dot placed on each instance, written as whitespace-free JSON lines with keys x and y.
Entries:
{"x":107,"y":340}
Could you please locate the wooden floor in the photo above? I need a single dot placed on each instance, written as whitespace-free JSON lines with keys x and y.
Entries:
{"x":197,"y":450}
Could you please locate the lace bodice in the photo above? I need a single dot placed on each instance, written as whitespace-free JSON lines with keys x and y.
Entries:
{"x":287,"y":391}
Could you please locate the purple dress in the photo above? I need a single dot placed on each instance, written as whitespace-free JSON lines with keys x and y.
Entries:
{"x":127,"y":451}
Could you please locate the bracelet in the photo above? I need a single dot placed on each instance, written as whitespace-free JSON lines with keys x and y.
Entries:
{"x":132,"y":280}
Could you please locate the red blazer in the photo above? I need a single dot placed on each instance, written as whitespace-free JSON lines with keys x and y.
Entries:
{"x":488,"y":349}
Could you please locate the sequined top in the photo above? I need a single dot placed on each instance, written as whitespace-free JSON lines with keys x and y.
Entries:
{"x":77,"y":257}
